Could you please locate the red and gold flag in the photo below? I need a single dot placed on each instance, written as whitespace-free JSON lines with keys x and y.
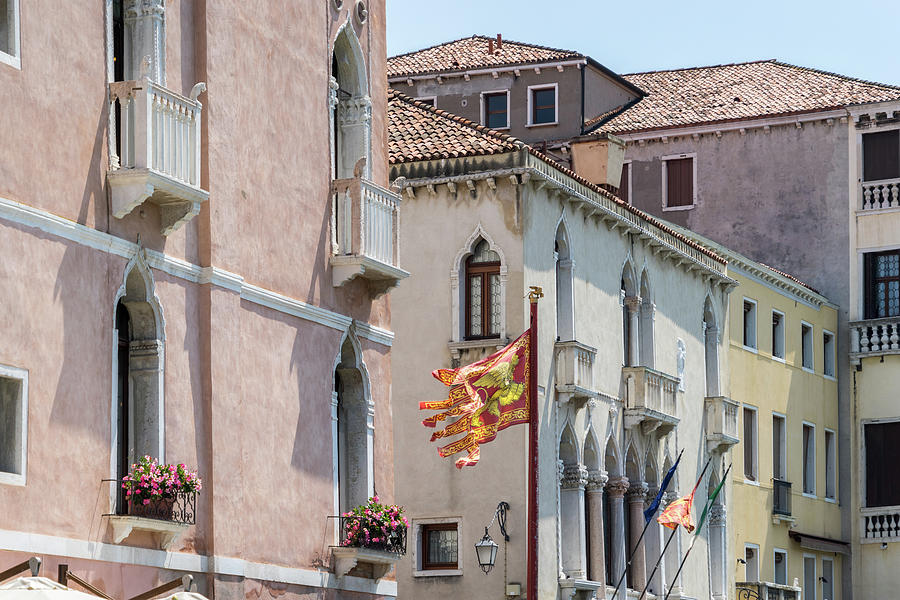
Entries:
{"x":678,"y":513}
{"x":486,"y":397}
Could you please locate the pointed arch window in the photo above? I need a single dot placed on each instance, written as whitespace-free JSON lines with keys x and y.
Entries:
{"x":483,"y":304}
{"x":351,"y":108}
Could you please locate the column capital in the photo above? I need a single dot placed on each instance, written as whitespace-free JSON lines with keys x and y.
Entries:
{"x":633,"y":303}
{"x":617,"y":487}
{"x":637,"y":491}
{"x":574,"y":477}
{"x":669,"y":497}
{"x":596,"y":480}
{"x":717,"y":515}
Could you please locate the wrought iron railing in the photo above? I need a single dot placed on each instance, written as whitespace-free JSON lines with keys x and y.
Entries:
{"x":182,"y":508}
{"x":781,"y":499}
{"x":394,"y":541}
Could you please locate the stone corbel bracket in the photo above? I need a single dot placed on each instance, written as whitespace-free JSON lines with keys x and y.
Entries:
{"x":165,"y":533}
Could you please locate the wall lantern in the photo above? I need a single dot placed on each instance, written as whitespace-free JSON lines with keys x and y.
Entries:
{"x":486,"y":548}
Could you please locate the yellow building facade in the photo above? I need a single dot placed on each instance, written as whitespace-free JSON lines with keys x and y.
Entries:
{"x":782,"y":351}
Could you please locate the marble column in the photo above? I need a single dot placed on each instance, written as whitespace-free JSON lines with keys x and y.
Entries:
{"x":571,"y":508}
{"x":594,"y":498}
{"x":637,"y":493}
{"x":633,"y":304}
{"x":717,"y":551}
{"x":673,"y":554}
{"x":654,"y":542}
{"x":616,"y":489}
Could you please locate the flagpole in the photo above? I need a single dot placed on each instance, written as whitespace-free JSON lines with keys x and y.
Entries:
{"x":656,"y":566}
{"x":531,"y":593}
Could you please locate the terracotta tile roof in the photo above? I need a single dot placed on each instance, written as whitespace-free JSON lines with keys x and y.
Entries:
{"x":472,"y":53}
{"x":792,"y":278}
{"x":721,"y":93}
{"x":418,"y":131}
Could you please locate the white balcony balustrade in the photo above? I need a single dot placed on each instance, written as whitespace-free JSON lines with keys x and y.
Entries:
{"x":575,"y":371}
{"x":880,"y":524}
{"x":884,"y":193}
{"x":365,"y":228}
{"x":874,"y":337}
{"x":651,"y":399}
{"x":721,"y":423}
{"x":159,"y":151}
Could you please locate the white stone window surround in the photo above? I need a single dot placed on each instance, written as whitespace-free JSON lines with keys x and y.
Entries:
{"x":807,"y":347}
{"x":483,"y":107}
{"x":831,"y":478}
{"x":861,"y":290}
{"x":628,"y":183}
{"x":784,"y":554}
{"x":352,"y":115}
{"x":828,"y":354}
{"x":538,"y":87}
{"x":753,"y":346}
{"x":755,"y":435}
{"x":861,"y":461}
{"x":13,"y":58}
{"x":778,"y":341}
{"x":457,"y":291}
{"x":17,"y":427}
{"x":416,"y":540}
{"x":809,"y":592}
{"x":782,"y":458}
{"x":810,"y":463}
{"x":663,"y":160}
{"x":751,"y":567}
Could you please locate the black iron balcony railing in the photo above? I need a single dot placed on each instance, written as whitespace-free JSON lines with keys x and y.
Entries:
{"x":353,"y":535}
{"x":781,"y":501}
{"x":182,"y":508}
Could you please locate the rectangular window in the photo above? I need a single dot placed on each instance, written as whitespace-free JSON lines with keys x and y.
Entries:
{"x":809,"y":459}
{"x":625,"y":184}
{"x":679,"y":183}
{"x":827,"y":579}
{"x":13,"y":424}
{"x":751,"y":562}
{"x":429,"y":100}
{"x":882,"y":449}
{"x":440,"y":546}
{"x":777,"y":334}
{"x":749,"y":443}
{"x":496,"y":110}
{"x":809,"y":577}
{"x":780,"y":567}
{"x":9,"y":33}
{"x":749,"y":324}
{"x":882,"y":284}
{"x":542,"y":105}
{"x":779,"y":447}
{"x":806,"y":346}
{"x":828,"y":351}
{"x":830,"y":465}
{"x":881,"y":155}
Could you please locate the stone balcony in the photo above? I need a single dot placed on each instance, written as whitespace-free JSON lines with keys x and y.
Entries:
{"x":365,"y":234}
{"x":879,"y":195}
{"x":651,"y":400}
{"x":765,"y":590}
{"x":159,"y":151}
{"x":879,"y":525}
{"x":874,"y":337}
{"x":575,"y":371}
{"x":721,"y":423}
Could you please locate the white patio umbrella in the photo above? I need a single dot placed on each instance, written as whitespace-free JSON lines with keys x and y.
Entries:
{"x":39,"y":588}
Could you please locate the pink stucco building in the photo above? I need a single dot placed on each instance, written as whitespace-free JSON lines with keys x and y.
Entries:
{"x":198,"y":272}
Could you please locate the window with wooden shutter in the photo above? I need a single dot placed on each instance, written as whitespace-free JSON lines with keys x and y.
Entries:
{"x":881,"y":155}
{"x":679,"y":182}
{"x":624,"y":192}
{"x":882,"y":284}
{"x":882,"y":450}
{"x":483,"y":307}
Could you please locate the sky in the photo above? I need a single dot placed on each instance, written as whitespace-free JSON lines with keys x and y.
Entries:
{"x":851,"y":38}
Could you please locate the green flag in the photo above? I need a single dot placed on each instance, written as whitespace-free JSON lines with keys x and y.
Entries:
{"x":712,"y":498}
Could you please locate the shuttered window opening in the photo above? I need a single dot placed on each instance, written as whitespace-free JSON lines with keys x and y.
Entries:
{"x":679,"y":182}
{"x":882,"y":450}
{"x":624,"y":192}
{"x":881,"y":155}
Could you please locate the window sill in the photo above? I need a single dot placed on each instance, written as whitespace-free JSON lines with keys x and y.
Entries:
{"x":529,"y":125}
{"x":751,"y":482}
{"x":676,"y":208}
{"x":506,"y":128}
{"x":830,"y":377}
{"x":750,"y":349}
{"x":437,"y":573}
{"x":477,"y":344}
{"x":12,"y":479}
{"x":810,"y":496}
{"x":808,"y":370}
{"x":831,"y":500}
{"x":13,"y":61}
{"x":779,"y":359}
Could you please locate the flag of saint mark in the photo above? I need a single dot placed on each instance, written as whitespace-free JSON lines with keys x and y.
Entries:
{"x":485,"y":397}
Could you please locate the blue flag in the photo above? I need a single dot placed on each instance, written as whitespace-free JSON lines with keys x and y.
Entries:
{"x":651,"y":510}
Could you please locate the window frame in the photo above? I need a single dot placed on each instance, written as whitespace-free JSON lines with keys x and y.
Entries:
{"x":775,"y":553}
{"x":530,"y":97}
{"x":863,"y":463}
{"x":829,"y":356}
{"x":862,"y":152}
{"x":755,"y":548}
{"x":14,"y":58}
{"x":755,"y":450}
{"x":804,"y":472}
{"x":484,"y":114}
{"x":484,"y":270}
{"x":755,"y":347}
{"x":784,"y":453}
{"x":869,"y":283}
{"x":665,"y":181}
{"x":417,"y":526}
{"x":20,"y":375}
{"x":831,"y":465}
{"x":830,"y":581}
{"x":806,"y":592}
{"x":626,"y":164}
{"x":430,"y":100}
{"x":780,"y":334}
{"x":810,"y":365}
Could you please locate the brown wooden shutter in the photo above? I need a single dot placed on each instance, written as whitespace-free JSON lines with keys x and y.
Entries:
{"x":680,"y":182}
{"x":623,"y":184}
{"x":882,"y":451}
{"x":881,"y":155}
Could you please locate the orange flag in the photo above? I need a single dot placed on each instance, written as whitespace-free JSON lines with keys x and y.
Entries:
{"x":486,"y":397}
{"x":679,"y":512}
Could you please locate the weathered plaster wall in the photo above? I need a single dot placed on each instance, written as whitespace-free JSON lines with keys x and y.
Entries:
{"x":602,"y":94}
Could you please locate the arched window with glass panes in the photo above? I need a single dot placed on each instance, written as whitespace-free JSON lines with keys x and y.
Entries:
{"x":483,"y":305}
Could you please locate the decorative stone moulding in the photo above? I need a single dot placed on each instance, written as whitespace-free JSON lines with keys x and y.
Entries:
{"x":579,"y":589}
{"x":721,"y":423}
{"x":165,"y":533}
{"x":651,"y":400}
{"x":574,"y":372}
{"x":338,"y":4}
{"x":346,"y":558}
{"x":361,"y":11}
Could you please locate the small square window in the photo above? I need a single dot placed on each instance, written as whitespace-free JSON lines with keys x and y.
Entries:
{"x":777,"y":334}
{"x":749,"y":323}
{"x":440,"y":546}
{"x":496,"y":110}
{"x":543,"y":105}
{"x":9,"y":33}
{"x":13,"y":424}
{"x":806,"y":348}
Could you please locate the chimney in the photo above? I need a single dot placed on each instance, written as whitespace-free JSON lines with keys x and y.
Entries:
{"x":490,"y":46}
{"x":499,"y":41}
